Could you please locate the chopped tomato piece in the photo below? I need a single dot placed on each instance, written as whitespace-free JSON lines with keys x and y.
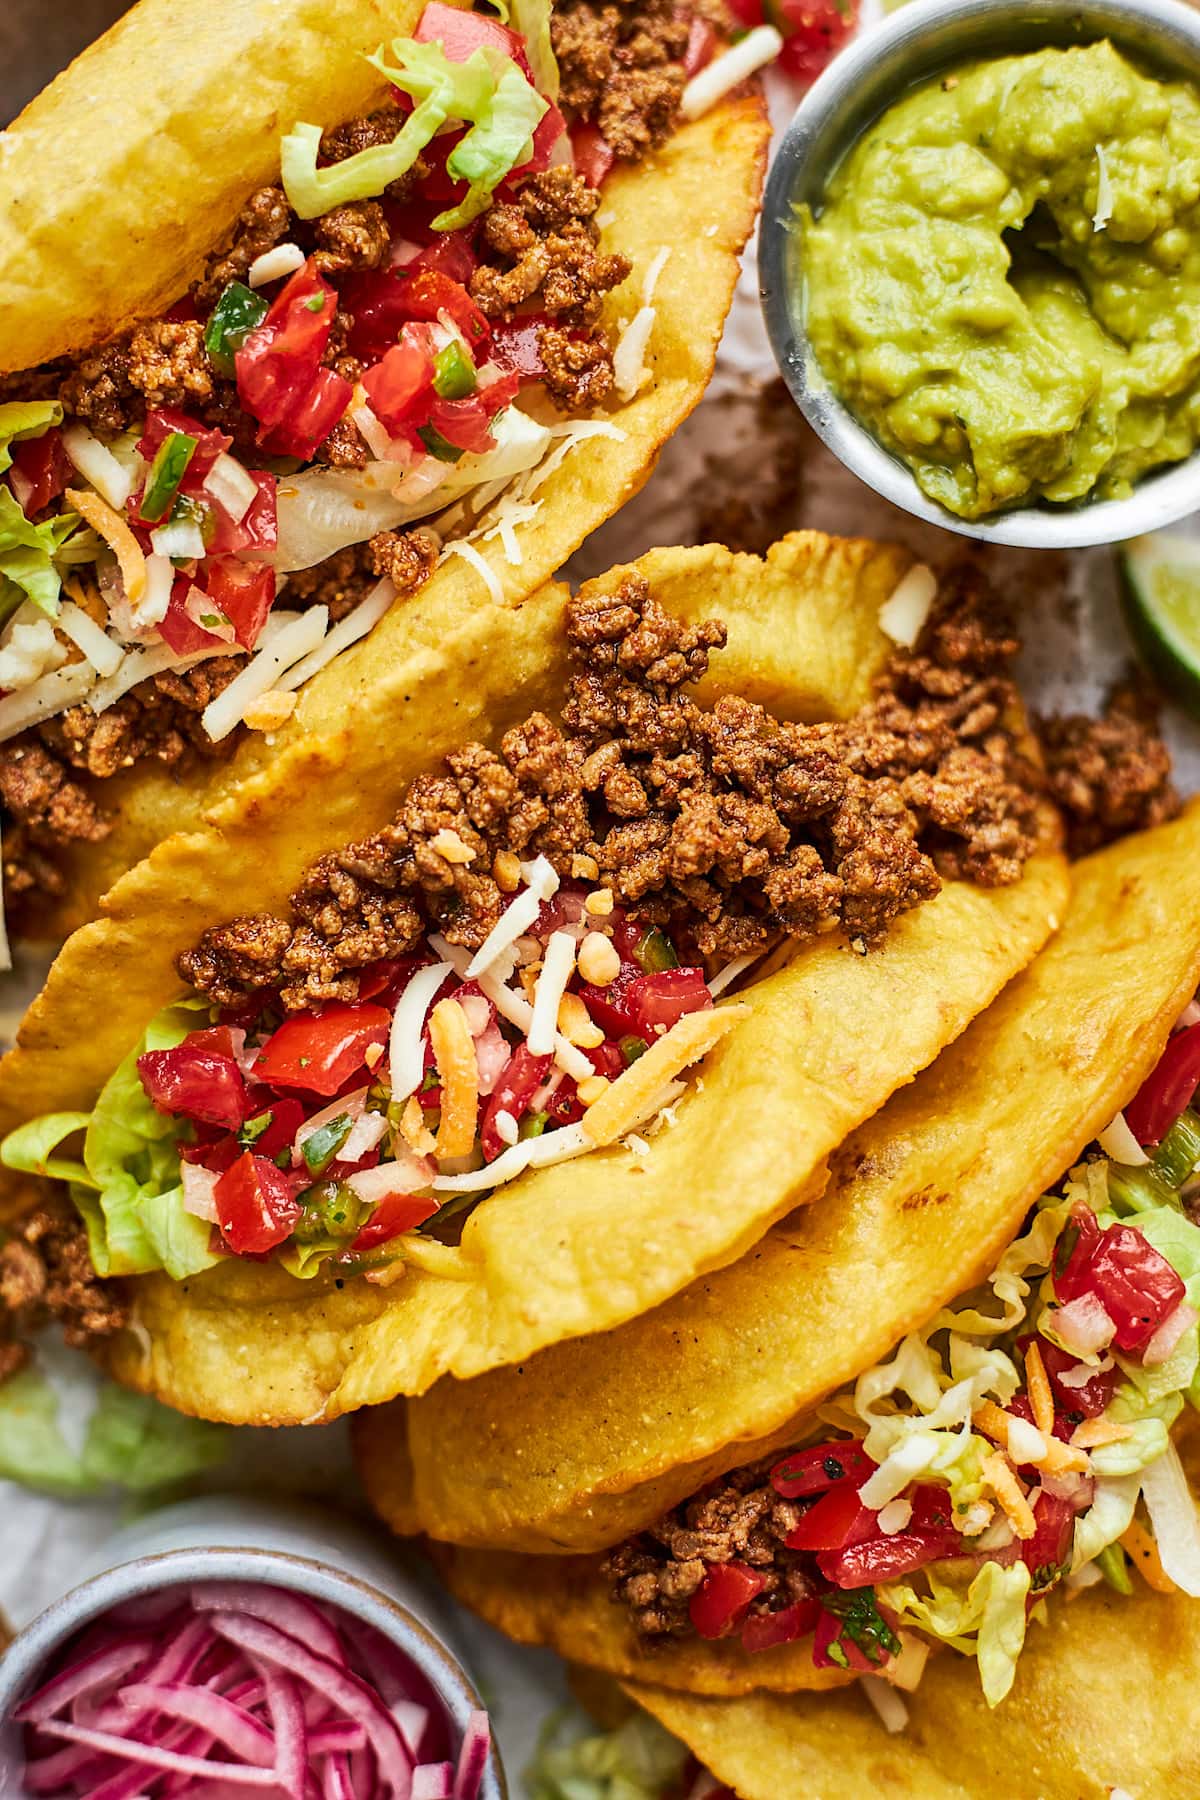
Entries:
{"x":388,"y":978}
{"x":702,"y":41}
{"x":287,"y":1116}
{"x":280,"y":380}
{"x":520,"y":1081}
{"x":194,"y":1082}
{"x":1088,"y":1400}
{"x":466,"y":423}
{"x":257,"y":531}
{"x":929,"y":1534}
{"x":1047,"y":1553}
{"x":256,"y":1203}
{"x":244,"y":592}
{"x":853,"y":1633}
{"x":400,"y":386}
{"x":429,"y":294}
{"x":40,"y":471}
{"x":646,"y":1006}
{"x":318,"y":1052}
{"x":821,"y":1466}
{"x":813,"y":31}
{"x":747,"y":12}
{"x":1167,"y":1090}
{"x":462,"y":33}
{"x":723,"y":1599}
{"x":375,"y":302}
{"x":394,"y":1215}
{"x":178,"y":628}
{"x":839,"y":1518}
{"x":763,"y":1631}
{"x":594,"y":155}
{"x":450,"y":254}
{"x":312,"y":418}
{"x":1072,"y":1253}
{"x":1136,"y":1284}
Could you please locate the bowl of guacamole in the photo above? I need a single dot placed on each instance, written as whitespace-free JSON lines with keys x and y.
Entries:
{"x":980,"y":263}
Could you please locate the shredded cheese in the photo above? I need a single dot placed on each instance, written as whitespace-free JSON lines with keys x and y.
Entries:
{"x":1143,"y":1551}
{"x":576,"y":1022}
{"x":97,"y":464}
{"x":729,"y":974}
{"x":137,"y":666}
{"x":513,"y":1007}
{"x":1056,"y":1458}
{"x":891,"y":1710}
{"x":517,"y":917}
{"x":1001,"y":1478}
{"x":903,"y":614}
{"x":413,"y":1129}
{"x":453,"y":1050}
{"x":52,"y":694}
{"x":1094,"y":1432}
{"x":406,"y":1059}
{"x":109,"y":525}
{"x":693,"y":1036}
{"x":558,"y":966}
{"x":1118,"y":1142}
{"x":286,"y":647}
{"x":534,"y":1153}
{"x":1037,"y":1382}
{"x":103,"y":652}
{"x":347,"y":631}
{"x":480,"y":564}
{"x":630,"y":373}
{"x":729,"y":70}
{"x":270,"y":710}
{"x":657,"y":265}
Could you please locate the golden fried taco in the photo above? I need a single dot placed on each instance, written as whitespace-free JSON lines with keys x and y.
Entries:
{"x":476,"y":283}
{"x":453,"y":1078}
{"x":894,"y":1422}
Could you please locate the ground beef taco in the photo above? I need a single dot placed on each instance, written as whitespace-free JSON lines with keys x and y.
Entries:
{"x":260,"y":390}
{"x":893,"y":1422}
{"x":450,"y":1078}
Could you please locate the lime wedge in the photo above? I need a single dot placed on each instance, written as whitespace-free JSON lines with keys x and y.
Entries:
{"x":1161,"y":583}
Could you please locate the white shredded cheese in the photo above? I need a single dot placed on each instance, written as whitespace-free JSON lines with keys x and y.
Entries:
{"x":656,"y":268}
{"x":1104,"y":191}
{"x":30,"y":651}
{"x":1118,"y":1141}
{"x":534,"y":1153}
{"x":520,"y":913}
{"x":365,"y":616}
{"x":629,"y":358}
{"x":903,"y":614}
{"x":231,"y":486}
{"x":516,"y":1009}
{"x":263,"y":670}
{"x":52,"y":694}
{"x":729,"y":974}
{"x":139,"y":665}
{"x":894,"y":1516}
{"x":151,"y":609}
{"x":1025,"y":1442}
{"x":374,"y":433}
{"x":893,"y":1714}
{"x":97,"y":464}
{"x":480,"y":564}
{"x":284,"y":259}
{"x":406,"y":1054}
{"x":558,"y":966}
{"x":103,"y":652}
{"x":729,"y":70}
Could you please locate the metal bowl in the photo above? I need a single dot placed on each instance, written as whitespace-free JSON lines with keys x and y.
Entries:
{"x":920,"y":41}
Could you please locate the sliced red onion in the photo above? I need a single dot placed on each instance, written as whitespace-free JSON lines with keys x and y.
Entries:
{"x":413,"y":1721}
{"x":102,"y":1666}
{"x":473,"y":1757}
{"x":1083,"y":1325}
{"x":1173,"y":1327}
{"x":212,"y":1713}
{"x":50,"y":1774}
{"x":338,"y":1738}
{"x":130,"y":1750}
{"x":433,"y":1781}
{"x":291,"y":1732}
{"x":292,"y":1614}
{"x":336,"y":1783}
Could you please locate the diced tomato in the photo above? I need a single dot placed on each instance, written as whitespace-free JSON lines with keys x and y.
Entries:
{"x":594,"y":155}
{"x":395,"y":1214}
{"x":217,"y":1153}
{"x":516,"y":345}
{"x":702,"y":41}
{"x":763,"y":1631}
{"x":548,"y":130}
{"x":839,"y":1518}
{"x":40,"y":471}
{"x":1089,"y":1400}
{"x":723,"y":1599}
{"x":663,"y":999}
{"x":1048,"y":1551}
{"x":821,"y":1466}
{"x":388,"y":978}
{"x":256,"y":1203}
{"x":747,"y":12}
{"x":450,"y":254}
{"x":1072,"y":1254}
{"x":1168,"y":1090}
{"x":430,"y":293}
{"x":313,"y":417}
{"x":1021,"y":1406}
{"x":462,"y":33}
{"x":375,"y":301}
{"x":195,"y":1083}
{"x":256,"y":533}
{"x":1135,"y":1282}
{"x":929,"y":1534}
{"x":466,"y":423}
{"x":520,"y":1081}
{"x":280,"y":380}
{"x":317,"y":1052}
{"x":813,"y":31}
{"x":287,"y":1116}
{"x":400,"y":386}
{"x":244,"y":592}
{"x":220,"y":1038}
{"x":178,"y":628}
{"x":164,"y":422}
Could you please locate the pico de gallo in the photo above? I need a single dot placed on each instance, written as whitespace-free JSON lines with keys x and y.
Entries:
{"x":344,"y":1136}
{"x":1019,"y":1443}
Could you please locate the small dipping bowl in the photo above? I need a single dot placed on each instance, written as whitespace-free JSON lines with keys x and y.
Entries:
{"x":924,"y":39}
{"x":308,"y":1550}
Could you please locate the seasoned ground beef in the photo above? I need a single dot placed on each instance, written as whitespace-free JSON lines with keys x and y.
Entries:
{"x":1110,"y":775}
{"x":46,"y":1273}
{"x":740,"y":1517}
{"x":730,"y":828}
{"x":262,"y":223}
{"x":621,"y":67}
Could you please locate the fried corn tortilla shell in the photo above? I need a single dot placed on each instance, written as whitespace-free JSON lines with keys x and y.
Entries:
{"x":574,"y":1249}
{"x":595,"y":1439}
{"x":120,"y":179}
{"x":1104,"y":1703}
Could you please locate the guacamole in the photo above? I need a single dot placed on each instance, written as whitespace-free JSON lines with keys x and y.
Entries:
{"x":1003,"y":282}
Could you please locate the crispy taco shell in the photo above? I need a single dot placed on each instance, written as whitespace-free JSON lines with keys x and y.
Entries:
{"x":574,"y":1249}
{"x":124,"y":174}
{"x":573,"y":1451}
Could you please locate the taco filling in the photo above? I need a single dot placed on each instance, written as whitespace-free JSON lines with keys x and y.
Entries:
{"x":1020,"y":1442}
{"x":522,"y":966}
{"x":198,"y":515}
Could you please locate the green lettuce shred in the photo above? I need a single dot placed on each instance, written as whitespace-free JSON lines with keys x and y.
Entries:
{"x":27,"y":557}
{"x":987,"y":1621}
{"x":532,"y":19}
{"x":637,"y":1762}
{"x":25,"y":419}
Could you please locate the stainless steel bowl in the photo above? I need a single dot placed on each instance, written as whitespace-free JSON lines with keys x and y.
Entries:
{"x":921,"y":40}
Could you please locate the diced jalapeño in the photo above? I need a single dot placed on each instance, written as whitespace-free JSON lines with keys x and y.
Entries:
{"x":166,"y":472}
{"x":656,"y":952}
{"x":453,"y":372}
{"x":235,"y":316}
{"x":322,"y":1145}
{"x":439,"y":446}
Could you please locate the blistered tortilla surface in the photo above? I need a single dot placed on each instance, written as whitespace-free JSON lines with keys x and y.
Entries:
{"x":574,"y":1450}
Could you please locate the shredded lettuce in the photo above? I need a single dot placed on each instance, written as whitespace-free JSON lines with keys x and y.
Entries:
{"x":987,"y":1621}
{"x":27,"y":553}
{"x":637,"y":1762}
{"x":487,"y":92}
{"x":532,"y":19}
{"x":25,"y":419}
{"x":127,"y":1188}
{"x":132,"y":1442}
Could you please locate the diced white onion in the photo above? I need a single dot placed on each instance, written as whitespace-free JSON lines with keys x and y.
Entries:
{"x":356,"y":624}
{"x":179,"y":537}
{"x":198,"y":1195}
{"x":406,"y":1053}
{"x":97,"y":464}
{"x":507,"y":1129}
{"x":404,"y":1174}
{"x":1025,"y":1442}
{"x":481,"y":565}
{"x":263,"y":670}
{"x":374,"y":434}
{"x":1168,"y":1334}
{"x":533,"y":1153}
{"x":1084,"y":1326}
{"x":520,"y":913}
{"x":105,"y":655}
{"x":151,"y":609}
{"x":346,"y":1105}
{"x":758,"y":47}
{"x":1118,"y":1141}
{"x":367,"y":1131}
{"x":231,"y":486}
{"x":31,"y":649}
{"x":1173,"y":1516}
{"x":558,"y":965}
{"x":629,"y":358}
{"x":284,"y":259}
{"x":52,"y":694}
{"x":894,"y":1516}
{"x":903,"y":614}
{"x":1082,"y":1373}
{"x":893,"y":1714}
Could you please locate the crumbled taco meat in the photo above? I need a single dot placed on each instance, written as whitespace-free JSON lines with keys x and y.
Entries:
{"x":1110,"y":775}
{"x":621,"y":68}
{"x":738,"y":1518}
{"x":727,"y":826}
{"x":46,"y":1273}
